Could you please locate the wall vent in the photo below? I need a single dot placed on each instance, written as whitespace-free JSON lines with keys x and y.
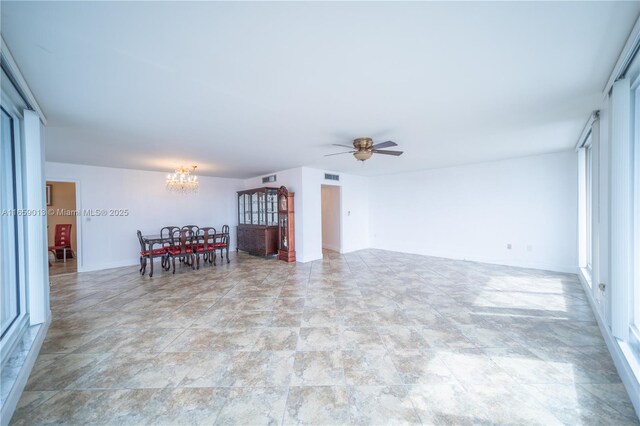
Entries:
{"x":269,"y":179}
{"x":329,"y":176}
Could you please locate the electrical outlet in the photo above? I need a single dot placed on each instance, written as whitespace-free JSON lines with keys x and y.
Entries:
{"x":509,"y":246}
{"x":602,"y":286}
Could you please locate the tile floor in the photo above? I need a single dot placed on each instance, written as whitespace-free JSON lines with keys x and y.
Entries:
{"x":371,"y":337}
{"x":58,"y":267}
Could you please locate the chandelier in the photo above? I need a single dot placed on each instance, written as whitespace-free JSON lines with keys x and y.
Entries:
{"x":183,"y":180}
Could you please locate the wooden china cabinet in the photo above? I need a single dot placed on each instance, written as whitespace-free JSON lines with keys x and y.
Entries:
{"x":258,"y":221}
{"x":286,"y":230}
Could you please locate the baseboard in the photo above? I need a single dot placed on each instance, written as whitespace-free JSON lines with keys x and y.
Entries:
{"x":624,"y":368}
{"x":9,"y":406}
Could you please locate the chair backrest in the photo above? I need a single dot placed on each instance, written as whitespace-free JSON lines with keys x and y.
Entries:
{"x":208,"y":235}
{"x":223,"y":236}
{"x":62,"y":235}
{"x":183,"y":238}
{"x":194,"y":229}
{"x":167,"y":231}
{"x":141,"y":241}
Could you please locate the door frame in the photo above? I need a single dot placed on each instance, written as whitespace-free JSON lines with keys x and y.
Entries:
{"x":78,"y":218}
{"x":340,"y":226}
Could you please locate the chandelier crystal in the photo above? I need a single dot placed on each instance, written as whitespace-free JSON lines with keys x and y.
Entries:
{"x":183,"y":180}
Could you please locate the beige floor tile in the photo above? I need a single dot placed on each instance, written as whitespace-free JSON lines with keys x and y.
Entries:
{"x":391,"y":405}
{"x":318,"y":369}
{"x":277,"y":339}
{"x":370,"y":368}
{"x":189,"y":406}
{"x":361,"y":338}
{"x":317,"y":405}
{"x":319,"y":339}
{"x":370,"y":337}
{"x":253,"y":406}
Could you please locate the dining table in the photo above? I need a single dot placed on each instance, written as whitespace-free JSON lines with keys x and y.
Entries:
{"x":152,"y":240}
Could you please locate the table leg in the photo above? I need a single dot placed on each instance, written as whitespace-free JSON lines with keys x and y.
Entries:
{"x":64,"y":254}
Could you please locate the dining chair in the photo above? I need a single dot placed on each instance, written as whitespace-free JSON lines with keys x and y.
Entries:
{"x":149,"y":253}
{"x":222,"y":243}
{"x":166,"y":236}
{"x":61,"y":241}
{"x":206,"y":244}
{"x":182,"y":247}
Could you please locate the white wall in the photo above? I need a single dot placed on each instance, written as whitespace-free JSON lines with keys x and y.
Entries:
{"x":355,"y":213}
{"x":354,"y":210}
{"x":331,"y":217}
{"x":472,"y":212}
{"x":107,"y":242}
{"x":306,"y":182}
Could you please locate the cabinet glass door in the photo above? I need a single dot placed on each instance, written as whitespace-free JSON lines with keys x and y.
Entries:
{"x":272,"y":208}
{"x":254,"y":208}
{"x":241,"y":209}
{"x":247,"y":209}
{"x":262,"y":217}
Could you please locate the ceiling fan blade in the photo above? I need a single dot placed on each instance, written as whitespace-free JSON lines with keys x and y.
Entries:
{"x":338,"y":153}
{"x":382,"y":151}
{"x":344,"y":146}
{"x":386,"y":144}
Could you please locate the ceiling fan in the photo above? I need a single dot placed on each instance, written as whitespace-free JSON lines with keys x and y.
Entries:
{"x":364,"y":149}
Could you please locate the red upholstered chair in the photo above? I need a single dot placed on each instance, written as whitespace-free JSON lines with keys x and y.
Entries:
{"x":149,"y":253}
{"x":61,"y":241}
{"x":166,"y":234}
{"x":206,"y":244}
{"x":222,"y":243}
{"x":183,"y":247}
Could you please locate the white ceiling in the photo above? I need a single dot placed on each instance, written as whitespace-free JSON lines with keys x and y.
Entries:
{"x":242,"y":89}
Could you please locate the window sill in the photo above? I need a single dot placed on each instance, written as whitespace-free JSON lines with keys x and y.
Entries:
{"x":585,"y":273}
{"x":632,"y":358}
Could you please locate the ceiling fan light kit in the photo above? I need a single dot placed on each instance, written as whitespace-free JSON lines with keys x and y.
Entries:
{"x":363,"y":155}
{"x":364,"y":149}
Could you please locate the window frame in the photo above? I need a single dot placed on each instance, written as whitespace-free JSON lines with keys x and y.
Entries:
{"x":588,"y":182}
{"x":13,"y":104}
{"x":585,"y":203}
{"x":634,"y":299}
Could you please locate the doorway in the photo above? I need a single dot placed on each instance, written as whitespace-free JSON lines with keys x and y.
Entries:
{"x":62,"y":227}
{"x":331,"y":219}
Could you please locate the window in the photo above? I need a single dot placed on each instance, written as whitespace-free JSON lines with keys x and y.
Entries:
{"x":9,"y":277}
{"x":588,"y":177}
{"x":585,"y":157}
{"x":635,"y":287}
{"x":14,"y":317}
